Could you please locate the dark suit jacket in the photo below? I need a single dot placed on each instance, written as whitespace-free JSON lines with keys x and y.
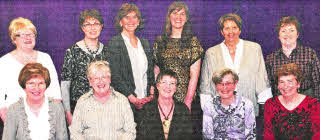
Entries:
{"x":121,"y":72}
{"x":151,"y":126}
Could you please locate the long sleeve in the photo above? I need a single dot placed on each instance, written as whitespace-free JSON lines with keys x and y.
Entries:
{"x":65,"y":93}
{"x":207,"y":130}
{"x":250,"y":121}
{"x":129,"y":126}
{"x":262,"y":82}
{"x":54,"y":89}
{"x":10,"y":126}
{"x":76,"y":127}
{"x":61,"y":126}
{"x":268,"y":115}
{"x":119,"y":78}
{"x":315,"y":119}
{"x":316,"y":75}
{"x":206,"y":85}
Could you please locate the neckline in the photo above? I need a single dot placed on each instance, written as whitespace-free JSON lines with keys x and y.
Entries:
{"x":277,"y":98}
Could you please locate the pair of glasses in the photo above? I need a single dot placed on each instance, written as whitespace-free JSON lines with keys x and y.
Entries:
{"x":25,"y":35}
{"x":90,"y":26}
{"x":227,"y":84}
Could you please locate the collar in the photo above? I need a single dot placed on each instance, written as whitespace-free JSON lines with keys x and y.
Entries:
{"x":113,"y":93}
{"x":240,"y":44}
{"x":295,"y":50}
{"x":83,"y":47}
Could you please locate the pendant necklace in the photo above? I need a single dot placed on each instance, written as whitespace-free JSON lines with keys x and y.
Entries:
{"x":167,"y":122}
{"x":93,"y":52}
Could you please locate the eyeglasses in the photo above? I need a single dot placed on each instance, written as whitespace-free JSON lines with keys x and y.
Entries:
{"x":33,"y":84}
{"x":227,"y":84}
{"x":168,"y":83}
{"x":90,"y":26}
{"x":25,"y":35}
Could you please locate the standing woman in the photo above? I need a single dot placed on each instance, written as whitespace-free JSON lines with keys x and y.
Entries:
{"x":242,"y":56}
{"x":130,"y":59}
{"x":291,"y":51}
{"x":178,"y":50}
{"x":74,"y":82}
{"x":23,"y":35}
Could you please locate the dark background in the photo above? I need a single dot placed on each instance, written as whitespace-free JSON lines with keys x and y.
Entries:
{"x":57,"y":21}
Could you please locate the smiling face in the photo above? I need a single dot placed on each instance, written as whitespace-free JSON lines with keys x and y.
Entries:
{"x":25,"y":39}
{"x":288,"y":85}
{"x":167,"y":87}
{"x":288,"y":35}
{"x":100,"y":81}
{"x":35,"y":89}
{"x":129,"y":22}
{"x":230,"y":31}
{"x":178,"y":18}
{"x":91,"y":28}
{"x":226,"y":87}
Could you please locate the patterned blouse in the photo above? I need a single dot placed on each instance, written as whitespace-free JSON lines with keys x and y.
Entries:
{"x":171,"y":54}
{"x":234,"y":122}
{"x":76,"y":60}
{"x":301,"y":123}
{"x":307,"y":59}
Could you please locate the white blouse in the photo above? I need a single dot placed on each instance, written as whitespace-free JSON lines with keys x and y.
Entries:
{"x":39,"y":126}
{"x":139,"y":65}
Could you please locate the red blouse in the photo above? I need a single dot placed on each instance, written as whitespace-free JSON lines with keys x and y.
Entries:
{"x":301,"y":123}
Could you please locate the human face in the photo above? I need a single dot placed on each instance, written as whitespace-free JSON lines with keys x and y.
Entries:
{"x":130,"y":22}
{"x":35,"y":89}
{"x":100,"y":82}
{"x":91,"y":28}
{"x":230,"y":31}
{"x":226,"y":87}
{"x":178,"y":18}
{"x":25,"y":40}
{"x":288,"y":35}
{"x":288,"y":85}
{"x":167,"y":87}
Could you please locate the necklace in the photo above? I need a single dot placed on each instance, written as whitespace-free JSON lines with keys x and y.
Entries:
{"x":232,"y":52}
{"x":27,"y":59}
{"x":93,"y":52}
{"x":167,"y":122}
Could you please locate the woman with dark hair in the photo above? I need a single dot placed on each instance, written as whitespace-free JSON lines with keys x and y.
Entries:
{"x":291,"y":51}
{"x":291,"y":115}
{"x":177,"y":49}
{"x":74,"y":82}
{"x":130,"y":59}
{"x":165,"y":117}
{"x":35,"y":117}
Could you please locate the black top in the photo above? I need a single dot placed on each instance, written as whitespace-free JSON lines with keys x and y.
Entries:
{"x":151,"y":125}
{"x":121,"y":71}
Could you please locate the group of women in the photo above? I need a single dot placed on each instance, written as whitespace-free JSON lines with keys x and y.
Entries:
{"x":162,"y":108}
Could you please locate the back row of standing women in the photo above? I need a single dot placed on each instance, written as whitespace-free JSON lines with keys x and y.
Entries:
{"x":134,"y":66}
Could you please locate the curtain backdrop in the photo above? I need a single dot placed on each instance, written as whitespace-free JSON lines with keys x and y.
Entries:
{"x":57,"y":21}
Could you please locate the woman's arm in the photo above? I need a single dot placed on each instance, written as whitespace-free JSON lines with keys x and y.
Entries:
{"x":250,"y":121}
{"x":10,"y":125}
{"x":268,"y":128}
{"x":194,"y":75}
{"x":61,"y":129}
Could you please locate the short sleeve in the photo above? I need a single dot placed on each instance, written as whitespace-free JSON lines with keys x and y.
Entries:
{"x":196,"y":49}
{"x":155,"y":50}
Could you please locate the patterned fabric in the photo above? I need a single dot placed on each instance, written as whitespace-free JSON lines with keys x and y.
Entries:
{"x":301,"y":123}
{"x":151,"y":125}
{"x":112,"y":120}
{"x":236,"y":121}
{"x":172,"y":55}
{"x":76,"y":60}
{"x":307,"y":59}
{"x":16,"y":125}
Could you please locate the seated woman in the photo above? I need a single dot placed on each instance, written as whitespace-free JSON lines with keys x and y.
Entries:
{"x":166,"y":118}
{"x":36,"y":116}
{"x":228,"y":116}
{"x":291,"y":115}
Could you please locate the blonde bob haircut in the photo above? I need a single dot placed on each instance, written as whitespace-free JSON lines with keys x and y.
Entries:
{"x":18,"y":24}
{"x":98,"y":65}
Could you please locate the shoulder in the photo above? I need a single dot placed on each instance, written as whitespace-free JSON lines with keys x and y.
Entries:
{"x":116,"y":38}
{"x":181,"y":107}
{"x":17,"y":107}
{"x":6,"y":59}
{"x":159,"y":38}
{"x":55,"y":104}
{"x":84,"y":97}
{"x":252,"y":45}
{"x":248,"y":103}
{"x":43,"y":55}
{"x":120,"y":96}
{"x":214,"y":49}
